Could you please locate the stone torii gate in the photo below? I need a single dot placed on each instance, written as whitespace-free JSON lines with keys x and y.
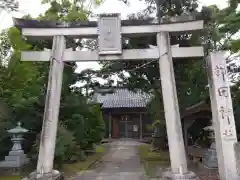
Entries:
{"x":109,"y":32}
{"x":110,"y":48}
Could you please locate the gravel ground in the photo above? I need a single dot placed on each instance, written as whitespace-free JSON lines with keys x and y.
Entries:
{"x":204,"y":173}
{"x":207,"y":174}
{"x":122,"y":162}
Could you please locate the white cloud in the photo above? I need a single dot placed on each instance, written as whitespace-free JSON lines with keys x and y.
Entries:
{"x":116,"y":6}
{"x":220,"y":3}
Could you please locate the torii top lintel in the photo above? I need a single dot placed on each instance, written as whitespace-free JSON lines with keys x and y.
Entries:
{"x":79,"y":29}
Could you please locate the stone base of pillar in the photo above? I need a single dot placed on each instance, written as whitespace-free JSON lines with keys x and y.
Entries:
{"x":54,"y":175}
{"x":187,"y":176}
{"x":15,"y":159}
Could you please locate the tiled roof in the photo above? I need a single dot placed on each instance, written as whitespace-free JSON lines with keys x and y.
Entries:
{"x":123,"y":98}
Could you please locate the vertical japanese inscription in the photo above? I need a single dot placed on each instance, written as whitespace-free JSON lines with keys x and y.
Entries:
{"x":220,"y":71}
{"x":225,"y":114}
{"x":222,"y":114}
{"x":226,"y":118}
{"x":223,"y":91}
{"x":109,"y":38}
{"x":223,"y":98}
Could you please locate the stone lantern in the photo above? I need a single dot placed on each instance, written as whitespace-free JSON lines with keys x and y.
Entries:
{"x":210,"y":157}
{"x":16,"y":157}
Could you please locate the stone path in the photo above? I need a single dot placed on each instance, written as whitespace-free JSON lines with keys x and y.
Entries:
{"x":122,"y":162}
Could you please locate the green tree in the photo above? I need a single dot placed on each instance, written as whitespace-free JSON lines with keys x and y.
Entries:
{"x":229,"y":22}
{"x":23,"y":87}
{"x":190,"y":87}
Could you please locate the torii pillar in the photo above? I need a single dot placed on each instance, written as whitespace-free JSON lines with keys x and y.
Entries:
{"x":50,"y":120}
{"x":179,"y":169}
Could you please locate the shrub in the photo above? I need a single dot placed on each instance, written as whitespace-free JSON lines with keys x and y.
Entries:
{"x":160,"y":135}
{"x":65,"y":148}
{"x":94,"y":128}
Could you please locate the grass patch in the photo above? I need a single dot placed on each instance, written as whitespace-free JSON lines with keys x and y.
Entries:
{"x":68,"y":169}
{"x":146,"y":154}
{"x":72,"y":169}
{"x":153,"y":160}
{"x":10,"y":177}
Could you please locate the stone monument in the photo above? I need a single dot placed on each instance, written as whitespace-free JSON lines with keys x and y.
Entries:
{"x":222,"y":115}
{"x":237,"y":154}
{"x":210,"y":157}
{"x":16,"y":157}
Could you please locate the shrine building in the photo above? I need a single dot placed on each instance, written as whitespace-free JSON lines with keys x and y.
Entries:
{"x":125,"y":113}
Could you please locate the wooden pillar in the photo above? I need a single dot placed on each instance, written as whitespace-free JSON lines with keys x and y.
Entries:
{"x":185,"y":136}
{"x":52,"y":104}
{"x":110,"y":125}
{"x":186,"y":125}
{"x":141,"y":126}
{"x":126,"y":126}
{"x":185,"y":131}
{"x":186,"y":140}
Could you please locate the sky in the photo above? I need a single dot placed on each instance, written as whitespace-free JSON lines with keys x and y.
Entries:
{"x":35,"y":8}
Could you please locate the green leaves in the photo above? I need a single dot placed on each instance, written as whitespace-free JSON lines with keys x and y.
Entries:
{"x":23,"y":88}
{"x":190,"y":74}
{"x":228,"y":24}
{"x":16,"y":44}
{"x":234,"y":4}
{"x":46,"y":1}
{"x":65,"y":143}
{"x":5,"y":46}
{"x":70,"y":10}
{"x":16,"y":40}
{"x":235,"y":45}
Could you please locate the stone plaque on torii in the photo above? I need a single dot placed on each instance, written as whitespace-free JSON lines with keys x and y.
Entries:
{"x":109,"y":32}
{"x":109,"y":38}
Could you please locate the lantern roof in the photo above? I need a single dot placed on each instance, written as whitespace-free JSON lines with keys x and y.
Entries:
{"x":18,"y":129}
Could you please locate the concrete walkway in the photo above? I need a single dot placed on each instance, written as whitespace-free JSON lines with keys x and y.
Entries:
{"x":122,"y":162}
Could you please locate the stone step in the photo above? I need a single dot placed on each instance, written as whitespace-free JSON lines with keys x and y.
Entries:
{"x":15,"y":158}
